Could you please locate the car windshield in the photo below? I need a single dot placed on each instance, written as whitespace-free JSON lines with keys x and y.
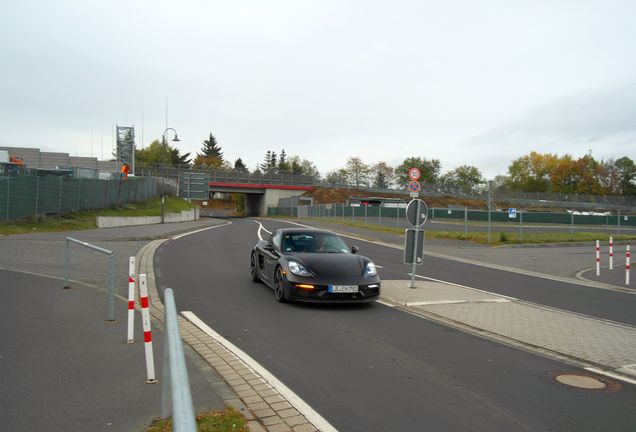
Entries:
{"x":309,"y":242}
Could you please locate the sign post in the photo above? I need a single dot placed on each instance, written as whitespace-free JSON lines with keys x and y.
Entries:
{"x":416,"y":215}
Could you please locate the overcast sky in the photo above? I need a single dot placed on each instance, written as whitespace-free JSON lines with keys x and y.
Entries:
{"x":466,"y":82}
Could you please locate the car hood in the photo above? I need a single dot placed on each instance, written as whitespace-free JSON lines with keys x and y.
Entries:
{"x":325,"y":265}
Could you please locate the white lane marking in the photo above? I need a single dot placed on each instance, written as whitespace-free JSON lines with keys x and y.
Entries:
{"x":465,"y":287}
{"x":385,"y":303}
{"x":611,"y":375}
{"x":199,"y":230}
{"x":261,"y":227}
{"x":445,"y":302}
{"x":310,"y":414}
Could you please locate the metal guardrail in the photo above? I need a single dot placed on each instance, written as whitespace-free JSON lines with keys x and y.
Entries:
{"x":176,"y":385}
{"x":111,"y":276}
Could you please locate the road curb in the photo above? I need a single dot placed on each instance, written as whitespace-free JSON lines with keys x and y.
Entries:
{"x":243,"y":388}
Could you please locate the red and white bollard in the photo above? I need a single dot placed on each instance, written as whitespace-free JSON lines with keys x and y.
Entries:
{"x":145,"y":319}
{"x":131,"y":300}
{"x":611,"y":251}
{"x":598,"y":258}
{"x":627,"y":264}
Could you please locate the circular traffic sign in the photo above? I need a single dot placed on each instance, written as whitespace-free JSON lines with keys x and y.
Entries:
{"x":414,"y":186}
{"x":414,"y":173}
{"x":416,"y":212}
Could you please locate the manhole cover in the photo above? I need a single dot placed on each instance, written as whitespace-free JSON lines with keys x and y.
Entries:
{"x":580,"y":381}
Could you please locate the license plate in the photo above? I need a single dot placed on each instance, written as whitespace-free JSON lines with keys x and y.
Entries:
{"x":343,"y":288}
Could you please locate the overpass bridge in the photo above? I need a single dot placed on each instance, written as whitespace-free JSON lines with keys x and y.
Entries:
{"x":261,"y":190}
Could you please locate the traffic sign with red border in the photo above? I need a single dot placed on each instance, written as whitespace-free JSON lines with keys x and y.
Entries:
{"x":414,"y":173}
{"x":414,"y":186}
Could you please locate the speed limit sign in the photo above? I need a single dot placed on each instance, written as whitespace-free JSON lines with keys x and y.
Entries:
{"x":414,"y":173}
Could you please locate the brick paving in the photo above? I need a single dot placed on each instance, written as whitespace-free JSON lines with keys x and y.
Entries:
{"x":592,"y":341}
{"x":259,"y":401}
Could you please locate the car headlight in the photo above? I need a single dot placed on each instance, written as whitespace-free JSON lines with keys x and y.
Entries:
{"x":370,"y":270}
{"x":298,"y":269}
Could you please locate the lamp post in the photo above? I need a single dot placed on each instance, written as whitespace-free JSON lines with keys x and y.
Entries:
{"x":165,"y":152}
{"x":163,"y":141}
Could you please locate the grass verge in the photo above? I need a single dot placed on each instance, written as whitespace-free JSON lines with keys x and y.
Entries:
{"x":88,"y":219}
{"x":228,"y":420}
{"x":497,"y":237}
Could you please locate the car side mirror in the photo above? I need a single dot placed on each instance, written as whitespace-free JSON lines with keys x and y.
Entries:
{"x":269,"y":247}
{"x":354,"y":249}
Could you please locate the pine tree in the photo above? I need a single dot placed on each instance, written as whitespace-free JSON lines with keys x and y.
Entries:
{"x":211,"y":148}
{"x":240,"y":166}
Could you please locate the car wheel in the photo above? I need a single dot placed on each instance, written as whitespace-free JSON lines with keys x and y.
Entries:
{"x":253,"y":269}
{"x":279,"y":286}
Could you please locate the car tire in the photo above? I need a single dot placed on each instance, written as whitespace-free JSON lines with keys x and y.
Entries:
{"x":279,"y":286}
{"x":253,"y":268}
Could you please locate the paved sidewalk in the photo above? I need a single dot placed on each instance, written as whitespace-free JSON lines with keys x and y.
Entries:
{"x":586,"y":341}
{"x":64,"y":368}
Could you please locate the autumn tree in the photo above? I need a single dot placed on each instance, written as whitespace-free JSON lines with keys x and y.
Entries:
{"x":357,"y":172}
{"x":464,"y":178}
{"x":429,"y":170}
{"x":531,"y":173}
{"x":337,"y":177}
{"x":161,"y":154}
{"x":382,"y":175}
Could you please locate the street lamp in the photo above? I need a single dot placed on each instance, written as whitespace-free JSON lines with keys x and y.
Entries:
{"x":163,"y":140}
{"x":165,"y":152}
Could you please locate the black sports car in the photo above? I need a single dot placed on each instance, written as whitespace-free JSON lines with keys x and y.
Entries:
{"x":313,"y":265}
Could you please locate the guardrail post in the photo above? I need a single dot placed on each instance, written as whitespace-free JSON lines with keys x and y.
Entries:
{"x":131,"y":300}
{"x":175,"y":372}
{"x":627,"y":265}
{"x":598,"y":258}
{"x":145,"y":319}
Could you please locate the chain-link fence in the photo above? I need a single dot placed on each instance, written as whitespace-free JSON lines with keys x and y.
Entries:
{"x":55,"y":195}
{"x":463,"y":219}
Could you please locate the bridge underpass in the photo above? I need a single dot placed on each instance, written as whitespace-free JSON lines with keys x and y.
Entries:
{"x":257,"y":196}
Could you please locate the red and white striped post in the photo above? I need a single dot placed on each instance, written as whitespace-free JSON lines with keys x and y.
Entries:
{"x":145,"y":319}
{"x":627,"y":265}
{"x":598,"y":258}
{"x":131,"y":300}
{"x":611,"y":252}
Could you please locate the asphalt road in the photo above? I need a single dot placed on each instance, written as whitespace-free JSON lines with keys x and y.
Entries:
{"x":375,"y":368}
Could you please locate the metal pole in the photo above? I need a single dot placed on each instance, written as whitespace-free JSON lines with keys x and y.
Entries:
{"x":111,"y":288}
{"x":465,"y":221}
{"x":66,"y":264}
{"x":489,"y":194}
{"x":59,"y":204}
{"x":520,"y":224}
{"x":79,"y":193}
{"x":414,"y":265}
{"x":619,"y":221}
{"x":611,"y":253}
{"x":8,"y":200}
{"x":572,"y":224}
{"x":37,"y":194}
{"x":397,"y":218}
{"x":366,"y":221}
{"x":380,"y":213}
